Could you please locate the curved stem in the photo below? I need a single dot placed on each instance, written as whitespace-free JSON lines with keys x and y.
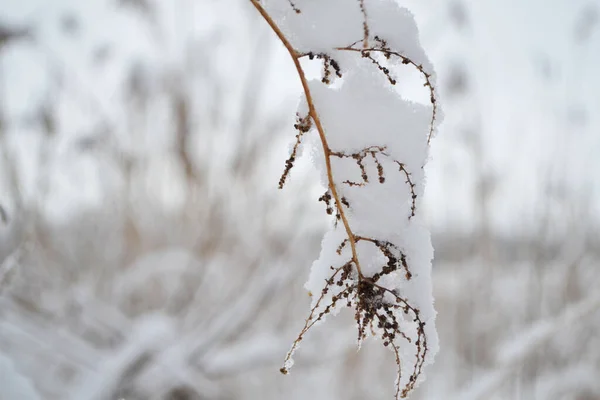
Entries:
{"x":315,"y":116}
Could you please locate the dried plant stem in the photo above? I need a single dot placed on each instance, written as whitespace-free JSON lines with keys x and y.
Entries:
{"x":315,"y":117}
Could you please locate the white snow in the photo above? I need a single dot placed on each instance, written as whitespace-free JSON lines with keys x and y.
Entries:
{"x":14,"y":385}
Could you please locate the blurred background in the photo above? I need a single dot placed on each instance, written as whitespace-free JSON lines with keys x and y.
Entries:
{"x":146,"y":253}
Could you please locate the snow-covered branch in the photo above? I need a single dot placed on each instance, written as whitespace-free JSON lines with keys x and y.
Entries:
{"x":371,"y":145}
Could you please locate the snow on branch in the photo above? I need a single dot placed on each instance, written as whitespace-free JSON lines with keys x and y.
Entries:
{"x":370,"y":144}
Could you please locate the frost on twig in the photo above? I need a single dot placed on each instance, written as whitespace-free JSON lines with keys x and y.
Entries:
{"x":370,"y":145}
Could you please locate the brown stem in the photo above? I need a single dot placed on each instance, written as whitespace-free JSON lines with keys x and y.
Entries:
{"x":315,"y":116}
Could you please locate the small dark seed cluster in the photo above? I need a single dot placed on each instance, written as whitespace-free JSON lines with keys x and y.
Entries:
{"x":326,"y":198}
{"x":330,"y":205}
{"x":345,"y":202}
{"x":302,"y":125}
{"x":372,"y":310}
{"x":396,"y":259}
{"x":330,"y":66}
{"x":363,"y":10}
{"x":296,"y":9}
{"x":411,"y":185}
{"x":367,"y":54}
